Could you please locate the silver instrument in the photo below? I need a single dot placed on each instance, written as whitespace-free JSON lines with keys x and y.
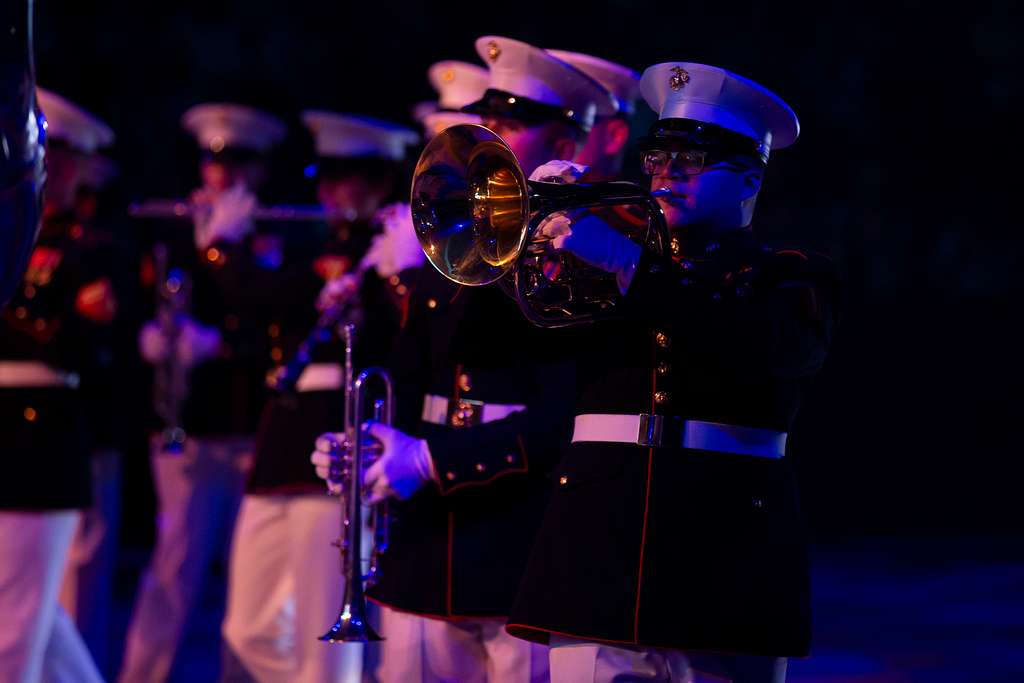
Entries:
{"x":170,"y":381}
{"x":183,"y":209}
{"x":352,"y":625}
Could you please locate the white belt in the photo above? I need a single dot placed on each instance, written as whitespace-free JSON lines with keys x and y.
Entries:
{"x":320,"y":377}
{"x":463,"y":412}
{"x":31,"y":373}
{"x":660,"y":430}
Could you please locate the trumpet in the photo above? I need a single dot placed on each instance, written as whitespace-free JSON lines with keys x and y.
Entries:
{"x":170,"y":209}
{"x":352,"y":625}
{"x":477,"y":219}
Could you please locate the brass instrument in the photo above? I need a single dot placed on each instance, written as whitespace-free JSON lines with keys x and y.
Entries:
{"x":477,"y":216}
{"x":183,"y":209}
{"x":351,"y":625}
{"x":170,"y":381}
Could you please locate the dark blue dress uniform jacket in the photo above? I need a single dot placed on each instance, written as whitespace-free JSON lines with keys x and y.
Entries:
{"x":459,"y":546}
{"x":678,"y":548}
{"x":46,"y":446}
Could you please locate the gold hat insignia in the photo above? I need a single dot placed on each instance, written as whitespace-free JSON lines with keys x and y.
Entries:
{"x":448,"y":75}
{"x":680,"y":77}
{"x":493,"y":51}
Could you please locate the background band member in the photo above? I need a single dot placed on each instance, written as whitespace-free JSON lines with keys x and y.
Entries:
{"x":105,"y":353}
{"x":605,"y":148}
{"x":47,"y":473}
{"x":284,"y":586}
{"x":480,"y":412}
{"x":221,"y":343}
{"x":696,"y":519}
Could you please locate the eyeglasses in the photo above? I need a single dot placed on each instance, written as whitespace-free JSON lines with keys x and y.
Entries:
{"x":689,"y":161}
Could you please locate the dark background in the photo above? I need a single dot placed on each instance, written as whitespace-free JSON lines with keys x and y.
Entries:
{"x":902,"y":171}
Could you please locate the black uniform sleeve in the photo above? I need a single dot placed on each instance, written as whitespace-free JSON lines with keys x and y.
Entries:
{"x":527,"y":442}
{"x":774,"y":311}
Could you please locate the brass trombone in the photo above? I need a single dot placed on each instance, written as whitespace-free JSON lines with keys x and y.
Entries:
{"x":477,"y":219}
{"x":352,"y":625}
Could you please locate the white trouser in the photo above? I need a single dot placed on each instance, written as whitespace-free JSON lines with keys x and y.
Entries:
{"x":38,"y":642}
{"x":417,"y":649}
{"x":87,"y":591}
{"x":580,"y":661}
{"x":285,"y":589}
{"x":198,"y":492}
{"x":400,"y":654}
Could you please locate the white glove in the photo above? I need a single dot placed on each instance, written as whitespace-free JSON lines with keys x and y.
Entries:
{"x":229,"y":218}
{"x":326,"y":460}
{"x":595,"y":242}
{"x":153,"y":345}
{"x":403,"y":467}
{"x":337,"y":291}
{"x":397,"y":247}
{"x":196,"y":343}
{"x":559,"y":171}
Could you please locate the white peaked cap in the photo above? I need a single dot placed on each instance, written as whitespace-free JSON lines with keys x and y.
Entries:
{"x":683,"y":90}
{"x":621,"y":81}
{"x":219,"y":125}
{"x":457,"y":83}
{"x":435,"y":122}
{"x":352,"y":135}
{"x":526,"y":71}
{"x":70,"y":123}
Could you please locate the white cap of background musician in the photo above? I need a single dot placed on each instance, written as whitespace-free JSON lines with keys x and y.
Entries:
{"x":457,"y":84}
{"x":621,"y":81}
{"x":349,"y":136}
{"x":219,"y":126}
{"x":530,"y":84}
{"x":69,"y":123}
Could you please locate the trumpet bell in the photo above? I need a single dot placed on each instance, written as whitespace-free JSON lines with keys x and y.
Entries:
{"x":478,"y":219}
{"x":470,"y":205}
{"x":350,"y":628}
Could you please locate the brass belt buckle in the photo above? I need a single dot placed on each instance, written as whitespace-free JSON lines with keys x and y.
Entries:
{"x":464,"y":413}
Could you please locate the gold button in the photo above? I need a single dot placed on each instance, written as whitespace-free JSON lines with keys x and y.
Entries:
{"x":663,"y":368}
{"x":39,"y":324}
{"x":450,"y":476}
{"x":394,"y":280}
{"x":660,"y":397}
{"x":276,"y":354}
{"x":662,"y":339}
{"x":675,"y":246}
{"x":402,"y":290}
{"x":30,"y":291}
{"x":465,"y":382}
{"x":480,"y":467}
{"x":213,"y":254}
{"x":563,"y":480}
{"x":31,"y":414}
{"x":431,"y":303}
{"x":20,"y":312}
{"x":274,"y":330}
